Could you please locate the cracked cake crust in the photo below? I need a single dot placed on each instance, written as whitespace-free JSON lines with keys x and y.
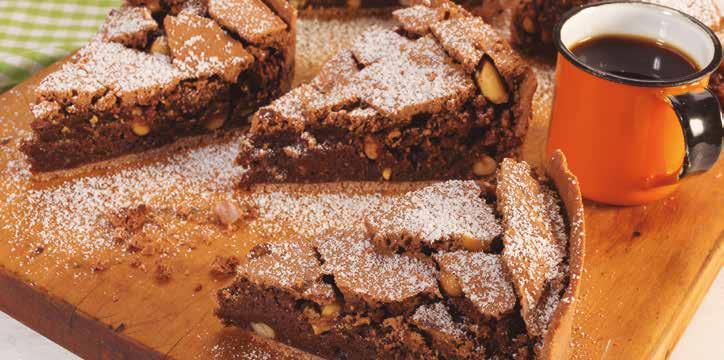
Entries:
{"x":420,"y":303}
{"x":142,"y":82}
{"x":449,"y":101}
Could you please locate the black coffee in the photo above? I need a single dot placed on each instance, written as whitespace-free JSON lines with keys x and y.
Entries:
{"x":635,"y":57}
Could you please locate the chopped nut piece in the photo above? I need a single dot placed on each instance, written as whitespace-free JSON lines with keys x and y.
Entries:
{"x":93,"y":120}
{"x":224,"y":265}
{"x":370,"y":148}
{"x":227,"y":212}
{"x":215,"y":122}
{"x":528,"y":25}
{"x":450,"y":284}
{"x":472,"y":244}
{"x":321,"y":328}
{"x":394,"y":135}
{"x":485,"y":166}
{"x":154,"y":5}
{"x":140,"y":129}
{"x":491,"y":84}
{"x":387,"y":173}
{"x":331,"y":309}
{"x":160,"y":46}
{"x":263,"y":330}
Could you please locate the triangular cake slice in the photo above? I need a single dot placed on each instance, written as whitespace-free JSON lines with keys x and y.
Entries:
{"x":534,"y":239}
{"x":157,"y":71}
{"x":338,"y":295}
{"x":440,"y":96}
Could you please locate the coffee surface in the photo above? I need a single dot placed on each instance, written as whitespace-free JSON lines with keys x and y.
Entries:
{"x":634,"y":57}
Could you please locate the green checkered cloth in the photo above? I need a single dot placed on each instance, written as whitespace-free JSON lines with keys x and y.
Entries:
{"x":36,"y":33}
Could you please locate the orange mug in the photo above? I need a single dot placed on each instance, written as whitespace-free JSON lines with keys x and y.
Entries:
{"x":629,"y":141}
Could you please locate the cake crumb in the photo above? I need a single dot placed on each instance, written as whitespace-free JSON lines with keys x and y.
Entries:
{"x":162,"y":273}
{"x":120,"y":328}
{"x":98,"y":266}
{"x":224,"y":265}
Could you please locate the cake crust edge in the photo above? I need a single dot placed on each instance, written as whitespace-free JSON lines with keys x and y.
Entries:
{"x":556,"y":343}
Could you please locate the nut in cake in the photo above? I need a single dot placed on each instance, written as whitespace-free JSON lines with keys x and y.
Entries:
{"x":432,"y":297}
{"x":160,"y":70}
{"x":441,"y":96}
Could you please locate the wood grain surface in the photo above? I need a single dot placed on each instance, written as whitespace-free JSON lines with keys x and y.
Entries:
{"x":646,"y":268}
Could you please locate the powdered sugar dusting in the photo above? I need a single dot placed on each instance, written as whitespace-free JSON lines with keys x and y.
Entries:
{"x":319,"y":39}
{"x":252,"y":20}
{"x":377,"y":43}
{"x":311,"y":215}
{"x":128,"y":25}
{"x":707,"y":11}
{"x":130,"y":75}
{"x":200,"y":47}
{"x":439,"y":212}
{"x":69,"y":217}
{"x":530,"y":252}
{"x":437,"y":317}
{"x":289,"y":265}
{"x":482,"y":279}
{"x":359,"y":271}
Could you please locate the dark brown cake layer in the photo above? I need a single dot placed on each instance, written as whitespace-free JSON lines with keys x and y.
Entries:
{"x":453,"y":270}
{"x":158,"y":71}
{"x":442,"y":96}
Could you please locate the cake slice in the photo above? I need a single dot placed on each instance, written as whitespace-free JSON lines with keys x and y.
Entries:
{"x":338,"y":6}
{"x":157,"y":71}
{"x":442,"y":96}
{"x":534,"y":241}
{"x":344,"y":297}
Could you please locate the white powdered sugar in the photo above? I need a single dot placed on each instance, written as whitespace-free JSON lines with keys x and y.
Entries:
{"x":252,"y":20}
{"x":482,"y":279}
{"x":377,"y":43}
{"x":439,"y":212}
{"x":290,"y":265}
{"x":437,"y":317}
{"x":312,"y":215}
{"x":127,"y":23}
{"x":531,"y":253}
{"x":69,"y":217}
{"x":128,"y":74}
{"x":360,"y":271}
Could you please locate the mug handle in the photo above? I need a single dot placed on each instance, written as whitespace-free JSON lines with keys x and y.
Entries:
{"x":700,"y":116}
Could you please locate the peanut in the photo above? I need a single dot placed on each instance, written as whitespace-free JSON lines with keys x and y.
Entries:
{"x":450,"y":284}
{"x":491,"y":84}
{"x":263,"y":330}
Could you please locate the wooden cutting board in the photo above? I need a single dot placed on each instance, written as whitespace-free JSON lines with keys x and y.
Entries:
{"x":646,"y":268}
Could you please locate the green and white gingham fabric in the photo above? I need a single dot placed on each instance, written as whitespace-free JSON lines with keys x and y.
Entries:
{"x":36,"y":33}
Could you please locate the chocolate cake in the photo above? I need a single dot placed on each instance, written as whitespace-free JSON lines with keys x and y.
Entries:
{"x":345,"y":296}
{"x":160,"y":70}
{"x":313,"y":6}
{"x":441,"y":96}
{"x":534,"y":20}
